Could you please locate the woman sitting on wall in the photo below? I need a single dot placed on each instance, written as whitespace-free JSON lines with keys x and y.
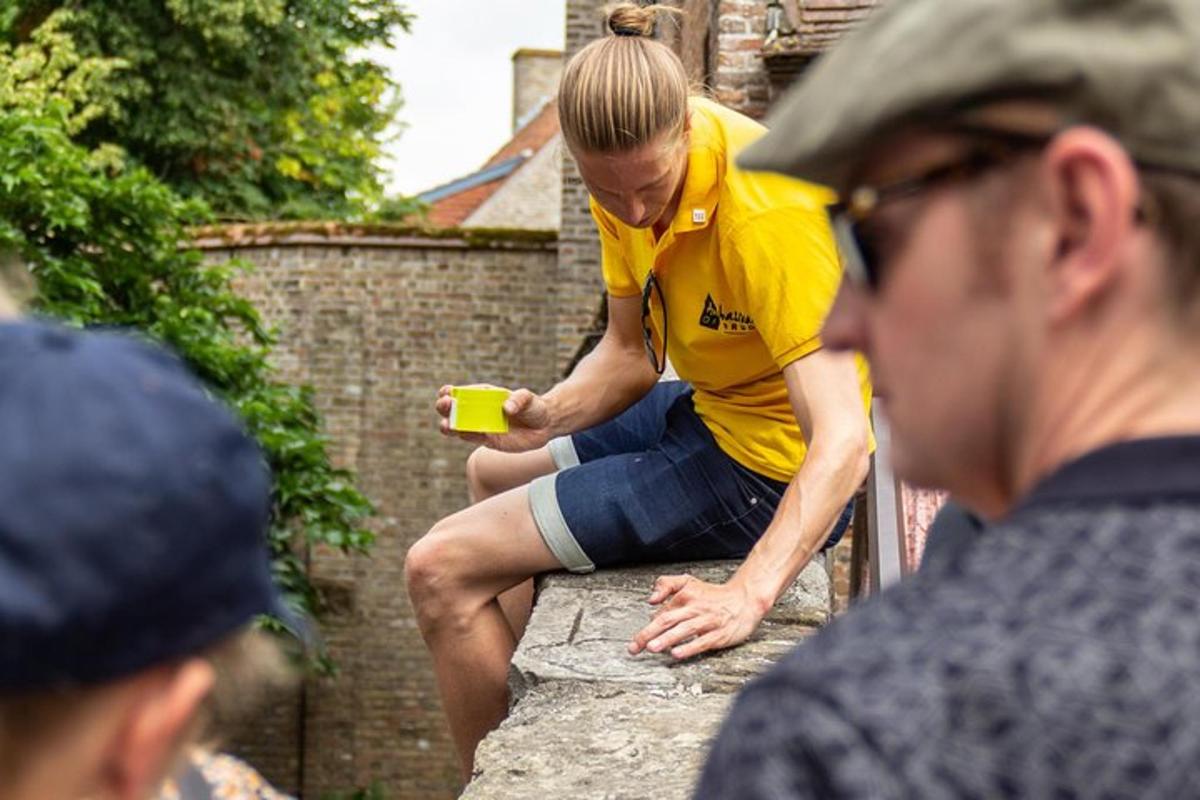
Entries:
{"x":754,"y":454}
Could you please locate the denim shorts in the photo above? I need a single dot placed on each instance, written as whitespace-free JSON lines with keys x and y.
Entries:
{"x":652,"y":485}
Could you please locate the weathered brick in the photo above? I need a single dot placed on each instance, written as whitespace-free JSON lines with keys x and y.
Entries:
{"x":375,"y":330}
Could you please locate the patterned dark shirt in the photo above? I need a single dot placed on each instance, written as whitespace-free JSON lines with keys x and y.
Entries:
{"x":1057,"y":656}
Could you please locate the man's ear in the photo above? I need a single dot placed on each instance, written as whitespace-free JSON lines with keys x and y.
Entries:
{"x":1093,"y":190}
{"x":157,"y":720}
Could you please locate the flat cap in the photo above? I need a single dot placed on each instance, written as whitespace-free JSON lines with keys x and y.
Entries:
{"x":1131,"y":67}
{"x":133,"y":510}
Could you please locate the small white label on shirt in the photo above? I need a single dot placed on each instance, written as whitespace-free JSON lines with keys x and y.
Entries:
{"x":699,"y":215}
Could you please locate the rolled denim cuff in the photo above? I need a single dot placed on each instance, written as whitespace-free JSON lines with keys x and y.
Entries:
{"x":562,"y":450}
{"x":543,"y":502}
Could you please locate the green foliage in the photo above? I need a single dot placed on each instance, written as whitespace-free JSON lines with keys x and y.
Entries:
{"x":264,"y":109}
{"x":399,"y":209}
{"x":102,"y":239}
{"x":47,"y":71}
{"x":373,"y":792}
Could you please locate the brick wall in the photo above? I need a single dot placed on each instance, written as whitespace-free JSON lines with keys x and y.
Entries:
{"x":838,"y":561}
{"x":578,"y":286}
{"x":739,"y":78}
{"x":375,"y":322}
{"x":535,"y":81}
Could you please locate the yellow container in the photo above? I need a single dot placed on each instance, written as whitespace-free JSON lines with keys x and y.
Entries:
{"x":478,"y":409}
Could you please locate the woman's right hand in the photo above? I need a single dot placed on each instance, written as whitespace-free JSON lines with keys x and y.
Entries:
{"x":528,"y":422}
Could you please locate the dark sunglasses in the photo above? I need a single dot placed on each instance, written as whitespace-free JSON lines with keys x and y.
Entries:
{"x":850,"y":218}
{"x":649,"y":291}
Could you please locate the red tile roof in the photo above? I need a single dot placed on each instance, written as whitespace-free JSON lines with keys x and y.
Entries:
{"x":452,"y":210}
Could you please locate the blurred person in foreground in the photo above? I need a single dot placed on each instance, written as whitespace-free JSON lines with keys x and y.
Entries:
{"x":1020,"y":221}
{"x":133,"y":563}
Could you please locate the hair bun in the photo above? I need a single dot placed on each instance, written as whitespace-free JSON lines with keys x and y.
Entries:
{"x":630,"y":19}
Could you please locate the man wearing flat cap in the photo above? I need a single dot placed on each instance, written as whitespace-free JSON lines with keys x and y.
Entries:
{"x":133,"y":564}
{"x":1020,"y":226}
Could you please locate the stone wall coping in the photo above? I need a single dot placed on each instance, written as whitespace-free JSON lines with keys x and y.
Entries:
{"x":536,"y":52}
{"x":588,"y":721}
{"x":381,"y":235}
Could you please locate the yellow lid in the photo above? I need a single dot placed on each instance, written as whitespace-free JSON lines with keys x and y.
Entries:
{"x":478,"y":409}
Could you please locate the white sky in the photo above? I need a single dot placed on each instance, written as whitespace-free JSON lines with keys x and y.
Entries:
{"x":455,"y":73}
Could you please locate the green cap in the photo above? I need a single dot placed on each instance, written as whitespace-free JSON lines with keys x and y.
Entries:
{"x":1131,"y":67}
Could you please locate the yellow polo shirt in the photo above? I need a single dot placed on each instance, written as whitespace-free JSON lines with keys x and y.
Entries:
{"x":748,"y":270}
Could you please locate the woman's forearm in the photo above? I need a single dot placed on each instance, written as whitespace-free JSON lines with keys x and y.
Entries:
{"x":606,"y":382}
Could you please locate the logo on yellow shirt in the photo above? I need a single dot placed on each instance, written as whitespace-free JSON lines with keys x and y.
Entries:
{"x":715,"y":317}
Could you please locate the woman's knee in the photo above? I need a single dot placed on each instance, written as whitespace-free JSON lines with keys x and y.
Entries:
{"x":430,"y":568}
{"x":487,"y":474}
{"x":475,"y":475}
{"x":443,"y":578}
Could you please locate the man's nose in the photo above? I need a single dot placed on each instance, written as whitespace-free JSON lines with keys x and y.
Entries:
{"x":845,"y":327}
{"x":635,"y":209}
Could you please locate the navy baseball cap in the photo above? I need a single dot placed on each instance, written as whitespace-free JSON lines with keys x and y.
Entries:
{"x":133,"y":510}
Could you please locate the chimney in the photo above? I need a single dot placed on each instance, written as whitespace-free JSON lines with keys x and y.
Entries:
{"x":535,"y":81}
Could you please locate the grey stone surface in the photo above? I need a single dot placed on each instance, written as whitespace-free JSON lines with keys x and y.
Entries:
{"x":805,"y":602}
{"x":582,"y":624}
{"x":590,"y":721}
{"x":598,"y":741}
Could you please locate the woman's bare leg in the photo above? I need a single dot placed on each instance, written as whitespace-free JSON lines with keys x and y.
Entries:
{"x":455,"y":575}
{"x":489,"y":473}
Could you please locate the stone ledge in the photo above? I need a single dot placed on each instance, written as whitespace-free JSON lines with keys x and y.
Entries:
{"x":598,"y":741}
{"x":248,"y":235}
{"x":591,"y":721}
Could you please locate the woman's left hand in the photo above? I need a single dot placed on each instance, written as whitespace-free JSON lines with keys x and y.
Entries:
{"x":695,"y":617}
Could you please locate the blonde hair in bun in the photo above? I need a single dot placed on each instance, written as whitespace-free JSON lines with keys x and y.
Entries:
{"x":624,"y":89}
{"x":630,"y":19}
